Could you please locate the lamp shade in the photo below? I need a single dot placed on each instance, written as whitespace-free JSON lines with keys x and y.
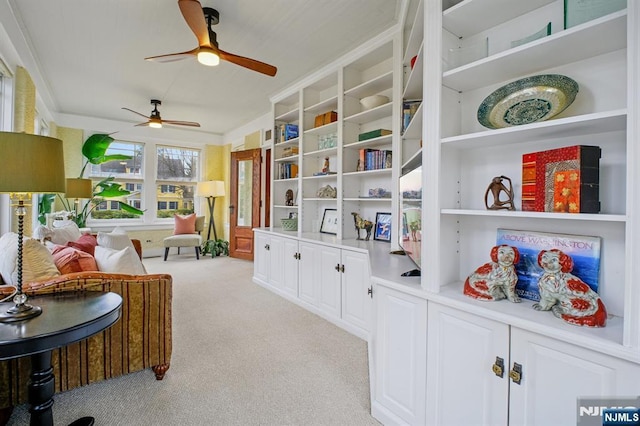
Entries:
{"x":210,"y":188}
{"x":31,"y":163}
{"x":79,"y":188}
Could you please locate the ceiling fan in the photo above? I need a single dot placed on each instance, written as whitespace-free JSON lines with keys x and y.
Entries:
{"x":155,"y":121}
{"x":201,"y":20}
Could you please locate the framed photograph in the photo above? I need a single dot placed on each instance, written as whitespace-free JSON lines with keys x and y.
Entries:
{"x":383,"y":227}
{"x":329,"y":222}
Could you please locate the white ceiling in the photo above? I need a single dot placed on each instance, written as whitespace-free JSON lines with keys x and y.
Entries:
{"x":90,"y":53}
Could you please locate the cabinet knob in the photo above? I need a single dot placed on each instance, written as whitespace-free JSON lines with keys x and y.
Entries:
{"x":338,"y":267}
{"x":516,"y":373}
{"x":498,"y":367}
{"x":266,"y":246}
{"x":370,"y":292}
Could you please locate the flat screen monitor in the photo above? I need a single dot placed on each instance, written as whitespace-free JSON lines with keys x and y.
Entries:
{"x":411,"y":215}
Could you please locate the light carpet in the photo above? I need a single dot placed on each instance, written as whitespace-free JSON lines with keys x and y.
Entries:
{"x":241,"y":356}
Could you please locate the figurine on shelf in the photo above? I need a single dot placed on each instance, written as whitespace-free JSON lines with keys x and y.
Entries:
{"x":361,"y":223}
{"x":288,"y":197}
{"x":495,"y":280}
{"x":325,"y":167}
{"x":566,"y":295}
{"x":496,"y":188}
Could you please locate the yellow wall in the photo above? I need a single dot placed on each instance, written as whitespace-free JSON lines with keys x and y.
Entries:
{"x":252,"y":140}
{"x":217,"y":167}
{"x":25,"y":102}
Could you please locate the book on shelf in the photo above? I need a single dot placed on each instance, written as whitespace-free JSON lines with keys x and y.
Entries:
{"x":373,"y":134}
{"x":287,"y":170}
{"x":286,"y":132}
{"x":374,"y":159}
{"x":583,"y":250}
{"x":409,"y":109}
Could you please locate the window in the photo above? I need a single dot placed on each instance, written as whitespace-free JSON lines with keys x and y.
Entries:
{"x":127,"y":173}
{"x":177,"y":175}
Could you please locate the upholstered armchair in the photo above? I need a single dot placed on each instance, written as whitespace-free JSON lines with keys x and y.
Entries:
{"x":140,"y":339}
{"x":186,"y":234}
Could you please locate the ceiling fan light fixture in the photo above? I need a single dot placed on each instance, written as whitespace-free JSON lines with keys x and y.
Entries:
{"x":207,"y":56}
{"x":155,"y":123}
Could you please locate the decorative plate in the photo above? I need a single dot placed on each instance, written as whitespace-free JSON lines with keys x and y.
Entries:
{"x":528,"y":100}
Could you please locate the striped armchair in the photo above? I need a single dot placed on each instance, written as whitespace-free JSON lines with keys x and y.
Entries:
{"x":140,"y":339}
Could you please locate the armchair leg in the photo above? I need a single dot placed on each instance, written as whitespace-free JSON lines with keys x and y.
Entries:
{"x":197,"y":253}
{"x":166,"y":253}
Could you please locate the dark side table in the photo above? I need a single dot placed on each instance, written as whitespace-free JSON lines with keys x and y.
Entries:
{"x":65,"y":318}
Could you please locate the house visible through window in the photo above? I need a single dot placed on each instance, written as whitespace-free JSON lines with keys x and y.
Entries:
{"x":127,"y":173}
{"x":177,"y":175}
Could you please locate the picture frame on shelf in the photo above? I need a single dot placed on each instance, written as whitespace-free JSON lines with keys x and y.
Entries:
{"x":383,"y":227}
{"x":329,"y":222}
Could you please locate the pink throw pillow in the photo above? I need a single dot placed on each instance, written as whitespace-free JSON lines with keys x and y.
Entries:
{"x":69,"y":259}
{"x":185,"y":224}
{"x":86,"y":243}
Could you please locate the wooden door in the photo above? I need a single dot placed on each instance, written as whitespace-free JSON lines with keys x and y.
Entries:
{"x":244,"y":209}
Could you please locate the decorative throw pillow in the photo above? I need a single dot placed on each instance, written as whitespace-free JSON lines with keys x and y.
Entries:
{"x":37,"y":262}
{"x":125,"y":261}
{"x":41,"y":233}
{"x":114,"y":240}
{"x":87,"y":243}
{"x":184,"y":224}
{"x":63,"y":234}
{"x":69,"y":259}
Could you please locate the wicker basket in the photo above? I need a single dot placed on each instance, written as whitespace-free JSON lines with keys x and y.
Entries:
{"x":289,"y":224}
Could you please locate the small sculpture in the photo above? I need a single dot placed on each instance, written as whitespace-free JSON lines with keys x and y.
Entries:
{"x":327,"y":192}
{"x":566,"y":295}
{"x":288,"y":196}
{"x":496,"y":188}
{"x":325,"y":167}
{"x":497,"y":279}
{"x":361,"y":223}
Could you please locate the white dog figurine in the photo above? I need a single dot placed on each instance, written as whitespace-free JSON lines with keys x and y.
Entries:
{"x":566,"y":295}
{"x":497,"y":279}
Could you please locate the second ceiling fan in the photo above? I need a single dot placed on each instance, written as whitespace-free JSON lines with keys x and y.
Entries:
{"x":155,"y":121}
{"x":200,"y":20}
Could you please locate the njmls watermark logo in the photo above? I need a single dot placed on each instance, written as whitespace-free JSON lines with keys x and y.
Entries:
{"x":609,"y":411}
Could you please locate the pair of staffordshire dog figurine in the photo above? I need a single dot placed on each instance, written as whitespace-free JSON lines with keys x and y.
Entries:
{"x":561,"y":292}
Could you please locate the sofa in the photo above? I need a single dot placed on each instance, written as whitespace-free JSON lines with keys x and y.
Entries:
{"x":140,"y":339}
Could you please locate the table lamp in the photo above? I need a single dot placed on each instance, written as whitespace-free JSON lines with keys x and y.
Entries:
{"x":78,"y":188}
{"x":31,"y":164}
{"x":211,"y":189}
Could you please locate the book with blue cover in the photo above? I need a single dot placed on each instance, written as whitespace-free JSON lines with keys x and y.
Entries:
{"x":584,"y":250}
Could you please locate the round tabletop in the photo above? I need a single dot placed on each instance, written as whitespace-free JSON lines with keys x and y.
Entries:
{"x":65,"y":318}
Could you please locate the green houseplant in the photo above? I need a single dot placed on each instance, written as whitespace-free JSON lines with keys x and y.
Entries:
{"x":217,"y":247}
{"x":94,"y":150}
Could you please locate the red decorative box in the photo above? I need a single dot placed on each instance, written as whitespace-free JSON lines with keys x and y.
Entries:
{"x":563,"y":180}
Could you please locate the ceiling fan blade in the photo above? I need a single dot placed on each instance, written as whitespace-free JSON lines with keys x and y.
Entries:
{"x":249,"y":63}
{"x":171,"y":57}
{"x":181,"y":123}
{"x":136,"y":112}
{"x":193,"y":15}
{"x":146,"y":123}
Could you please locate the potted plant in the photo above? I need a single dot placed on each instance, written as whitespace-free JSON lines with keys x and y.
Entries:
{"x":94,"y":150}
{"x":217,"y":247}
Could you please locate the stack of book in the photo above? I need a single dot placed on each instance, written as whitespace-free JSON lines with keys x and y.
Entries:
{"x":286,"y":132}
{"x":409,"y":109}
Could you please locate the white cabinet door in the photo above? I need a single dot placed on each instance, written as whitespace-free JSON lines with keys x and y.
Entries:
{"x":329,"y":280}
{"x":262,"y":259}
{"x":356,"y":281}
{"x":308,"y":273}
{"x":290,"y":272}
{"x":399,"y":344}
{"x":555,"y":374}
{"x":276,"y":248}
{"x":462,"y":389}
